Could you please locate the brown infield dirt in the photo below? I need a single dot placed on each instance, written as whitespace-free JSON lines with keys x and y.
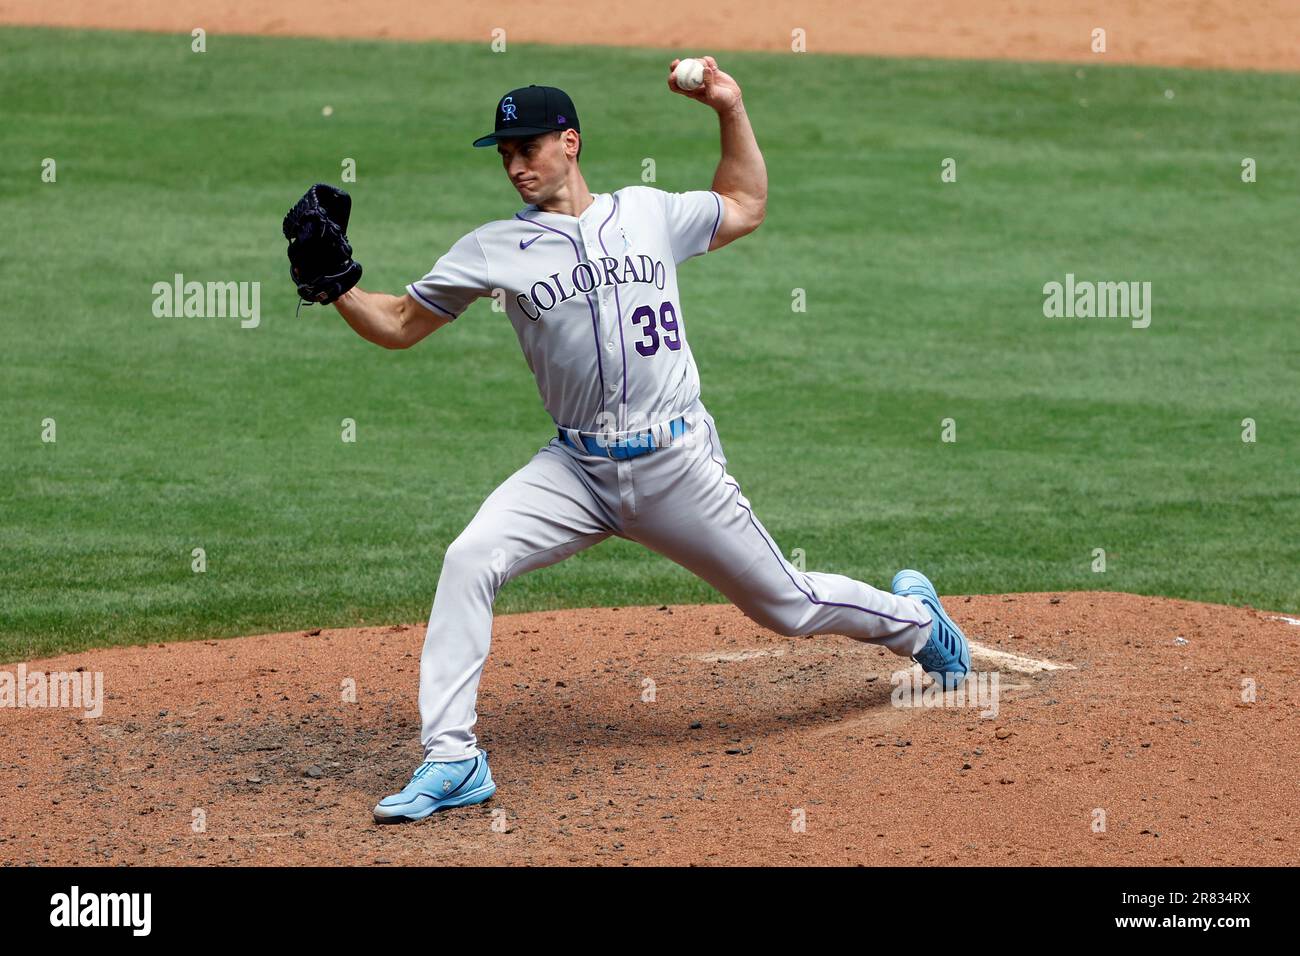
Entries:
{"x":744,"y":730}
{"x":1260,"y":35}
{"x":748,"y":733}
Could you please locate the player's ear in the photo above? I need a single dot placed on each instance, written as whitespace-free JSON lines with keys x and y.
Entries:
{"x":565,"y":142}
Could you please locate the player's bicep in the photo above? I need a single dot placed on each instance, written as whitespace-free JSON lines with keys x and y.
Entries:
{"x":735,"y":222}
{"x":418,"y":320}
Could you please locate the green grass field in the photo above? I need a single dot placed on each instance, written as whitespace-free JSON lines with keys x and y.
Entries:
{"x":924,"y":302}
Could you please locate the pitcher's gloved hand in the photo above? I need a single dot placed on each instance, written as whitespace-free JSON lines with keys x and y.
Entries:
{"x":320,"y":257}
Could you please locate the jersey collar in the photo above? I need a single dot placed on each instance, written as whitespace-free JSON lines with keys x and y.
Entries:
{"x":599,"y":207}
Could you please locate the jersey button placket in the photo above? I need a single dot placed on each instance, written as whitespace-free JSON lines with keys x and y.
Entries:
{"x":592,"y":245}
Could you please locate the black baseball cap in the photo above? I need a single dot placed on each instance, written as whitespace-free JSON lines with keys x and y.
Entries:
{"x":531,"y":110}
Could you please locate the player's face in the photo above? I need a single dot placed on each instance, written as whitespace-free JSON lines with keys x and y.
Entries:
{"x":536,"y":165}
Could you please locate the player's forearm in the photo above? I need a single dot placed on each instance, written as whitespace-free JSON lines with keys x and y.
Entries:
{"x":741,"y":173}
{"x":375,"y":316}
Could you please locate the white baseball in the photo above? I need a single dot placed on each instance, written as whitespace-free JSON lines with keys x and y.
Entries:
{"x":689,"y":74}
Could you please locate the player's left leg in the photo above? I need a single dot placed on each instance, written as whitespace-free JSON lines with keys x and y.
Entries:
{"x":689,"y":509}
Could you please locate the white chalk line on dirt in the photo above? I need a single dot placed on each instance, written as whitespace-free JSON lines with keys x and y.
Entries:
{"x":1289,"y":620}
{"x":749,"y":653}
{"x":1015,"y":662}
{"x":1002,"y":659}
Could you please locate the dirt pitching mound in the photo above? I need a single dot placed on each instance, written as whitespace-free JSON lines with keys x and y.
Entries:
{"x":1128,"y":730}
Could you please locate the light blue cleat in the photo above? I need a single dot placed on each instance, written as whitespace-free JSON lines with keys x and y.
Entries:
{"x":946,"y":654}
{"x":437,"y":786}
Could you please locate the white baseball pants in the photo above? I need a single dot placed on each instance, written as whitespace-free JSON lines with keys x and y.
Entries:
{"x":678,"y":501}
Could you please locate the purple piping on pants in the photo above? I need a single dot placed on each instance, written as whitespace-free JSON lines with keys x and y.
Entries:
{"x":595,"y":328}
{"x":432,"y":305}
{"x":600,"y":234}
{"x":777,"y":554}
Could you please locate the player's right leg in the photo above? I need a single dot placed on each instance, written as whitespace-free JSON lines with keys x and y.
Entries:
{"x":540,"y":515}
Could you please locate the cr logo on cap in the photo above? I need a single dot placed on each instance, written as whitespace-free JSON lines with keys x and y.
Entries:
{"x":508,"y":108}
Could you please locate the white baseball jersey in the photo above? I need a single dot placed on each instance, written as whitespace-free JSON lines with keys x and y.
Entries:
{"x":593,"y":300}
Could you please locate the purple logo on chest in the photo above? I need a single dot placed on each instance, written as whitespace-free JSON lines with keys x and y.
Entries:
{"x":525,"y":243}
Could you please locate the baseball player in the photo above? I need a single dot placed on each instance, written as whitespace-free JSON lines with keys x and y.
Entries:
{"x":589,"y":283}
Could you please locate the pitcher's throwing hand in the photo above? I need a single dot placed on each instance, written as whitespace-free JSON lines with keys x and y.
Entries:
{"x":719,"y":91}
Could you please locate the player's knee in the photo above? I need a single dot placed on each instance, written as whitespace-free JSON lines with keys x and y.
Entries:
{"x":774,"y":620}
{"x":473,"y":558}
{"x":788,"y":628}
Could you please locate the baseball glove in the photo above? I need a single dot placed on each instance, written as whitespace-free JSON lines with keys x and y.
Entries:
{"x":320,"y":257}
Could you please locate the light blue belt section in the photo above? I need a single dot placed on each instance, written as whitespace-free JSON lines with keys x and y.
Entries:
{"x":627,"y":445}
